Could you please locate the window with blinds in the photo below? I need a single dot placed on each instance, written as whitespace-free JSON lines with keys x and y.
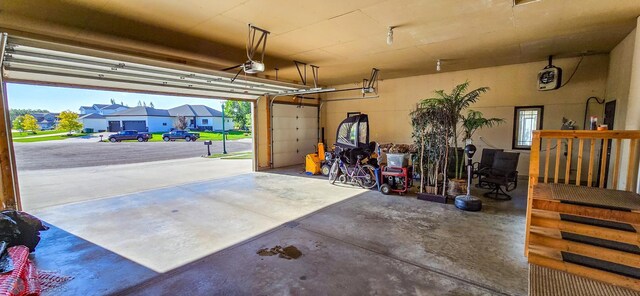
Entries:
{"x":526,"y":120}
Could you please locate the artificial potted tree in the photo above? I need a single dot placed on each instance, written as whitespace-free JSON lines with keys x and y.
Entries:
{"x":473,"y":121}
{"x":438,"y":123}
{"x":431,"y":135}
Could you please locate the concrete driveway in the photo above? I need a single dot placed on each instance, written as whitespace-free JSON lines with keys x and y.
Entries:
{"x":45,"y":188}
{"x":75,"y":153}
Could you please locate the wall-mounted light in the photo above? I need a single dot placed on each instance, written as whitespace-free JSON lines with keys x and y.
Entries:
{"x":390,"y":36}
{"x":438,"y":68}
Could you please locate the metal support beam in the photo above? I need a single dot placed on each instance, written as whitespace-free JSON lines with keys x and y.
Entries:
{"x":303,"y":77}
{"x":10,"y":195}
{"x":253,"y":45}
{"x":314,"y":70}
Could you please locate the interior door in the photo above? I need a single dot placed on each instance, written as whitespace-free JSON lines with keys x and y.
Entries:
{"x":295,"y":133}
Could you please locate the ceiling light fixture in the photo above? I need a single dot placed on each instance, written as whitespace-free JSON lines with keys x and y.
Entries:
{"x":390,"y":36}
{"x":438,"y":68}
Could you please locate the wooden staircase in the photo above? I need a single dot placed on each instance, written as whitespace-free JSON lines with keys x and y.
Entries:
{"x":588,"y":231}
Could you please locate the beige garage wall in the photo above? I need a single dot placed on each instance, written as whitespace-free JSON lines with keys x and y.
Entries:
{"x":511,"y":85}
{"x":618,"y":86}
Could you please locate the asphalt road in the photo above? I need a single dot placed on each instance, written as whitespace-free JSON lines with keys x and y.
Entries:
{"x":74,"y":154}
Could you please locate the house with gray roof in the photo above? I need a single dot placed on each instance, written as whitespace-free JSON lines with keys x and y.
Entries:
{"x":149,"y":119}
{"x":102,"y":109}
{"x":46,"y":121}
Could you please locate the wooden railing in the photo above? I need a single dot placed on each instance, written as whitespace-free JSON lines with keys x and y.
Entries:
{"x":587,"y":149}
{"x":560,"y":212}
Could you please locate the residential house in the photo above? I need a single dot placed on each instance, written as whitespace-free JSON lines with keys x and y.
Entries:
{"x":46,"y":121}
{"x":93,"y":117}
{"x":102,"y":109}
{"x":152,"y":120}
{"x":144,"y":119}
{"x":201,"y":117}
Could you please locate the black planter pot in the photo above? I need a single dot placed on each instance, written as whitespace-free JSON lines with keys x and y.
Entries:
{"x":432,"y":197}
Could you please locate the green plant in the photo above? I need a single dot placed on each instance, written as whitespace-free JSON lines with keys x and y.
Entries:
{"x":29,"y":123}
{"x":475,"y":121}
{"x":452,"y":105}
{"x":240,"y":112}
{"x":431,"y":133}
{"x":18,"y":123}
{"x":69,"y":122}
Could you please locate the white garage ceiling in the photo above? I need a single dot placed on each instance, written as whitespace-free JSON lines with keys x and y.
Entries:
{"x":345,"y":38}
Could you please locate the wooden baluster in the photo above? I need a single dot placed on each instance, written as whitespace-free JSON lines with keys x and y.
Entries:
{"x":567,"y":170}
{"x":603,"y":162}
{"x":616,"y":164}
{"x":591,"y":156}
{"x":557,"y":172}
{"x":579,"y":169}
{"x":631,"y":173}
{"x":546,"y":162}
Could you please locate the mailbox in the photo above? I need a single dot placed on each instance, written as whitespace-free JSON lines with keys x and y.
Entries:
{"x":208,"y":144}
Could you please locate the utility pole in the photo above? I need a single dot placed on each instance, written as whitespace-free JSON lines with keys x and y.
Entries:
{"x":224,"y":132}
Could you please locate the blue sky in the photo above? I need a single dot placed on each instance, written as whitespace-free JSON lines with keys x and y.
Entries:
{"x":56,"y":99}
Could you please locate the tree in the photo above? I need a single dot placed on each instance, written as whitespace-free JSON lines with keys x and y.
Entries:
{"x":238,"y":111}
{"x":248,"y":120}
{"x":18,"y":123}
{"x":180,"y":123}
{"x":69,"y":122}
{"x":13,"y":113}
{"x":29,"y":123}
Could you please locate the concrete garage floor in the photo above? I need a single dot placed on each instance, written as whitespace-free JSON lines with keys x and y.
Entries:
{"x":353,"y":242}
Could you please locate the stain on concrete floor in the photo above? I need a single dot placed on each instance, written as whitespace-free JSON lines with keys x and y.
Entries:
{"x":288,"y":252}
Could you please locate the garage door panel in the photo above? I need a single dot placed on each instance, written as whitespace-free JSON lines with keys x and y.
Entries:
{"x":136,"y":125}
{"x":309,"y":112}
{"x":295,"y":133}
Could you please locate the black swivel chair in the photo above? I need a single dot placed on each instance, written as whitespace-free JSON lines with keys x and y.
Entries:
{"x":502,"y":177}
{"x":486,"y":161}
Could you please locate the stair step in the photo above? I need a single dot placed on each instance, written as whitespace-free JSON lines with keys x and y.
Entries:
{"x":616,"y":268}
{"x":596,"y":197}
{"x":609,"y":244}
{"x":545,"y":281}
{"x":598,"y":222}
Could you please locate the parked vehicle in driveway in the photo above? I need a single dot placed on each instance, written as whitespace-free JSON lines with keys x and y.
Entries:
{"x":130,"y":135}
{"x":179,"y":135}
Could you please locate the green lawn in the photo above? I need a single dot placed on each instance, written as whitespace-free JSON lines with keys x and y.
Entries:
{"x":48,"y":138}
{"x":213,"y":136}
{"x":16,"y":135}
{"x":234,"y":155}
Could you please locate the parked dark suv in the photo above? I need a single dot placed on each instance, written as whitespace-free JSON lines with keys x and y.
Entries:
{"x":178,"y":134}
{"x":130,"y":135}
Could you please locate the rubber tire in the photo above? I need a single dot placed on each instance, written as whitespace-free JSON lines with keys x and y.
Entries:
{"x":325,"y":169}
{"x":140,"y":139}
{"x":113,"y":140}
{"x":166,"y":139}
{"x":385,"y":189}
{"x":188,"y":139}
{"x":342,"y":179}
{"x":373,"y":172}
{"x":334,"y":172}
{"x":466,"y":204}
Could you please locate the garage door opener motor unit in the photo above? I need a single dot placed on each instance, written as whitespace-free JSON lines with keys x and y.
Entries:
{"x":550,"y":77}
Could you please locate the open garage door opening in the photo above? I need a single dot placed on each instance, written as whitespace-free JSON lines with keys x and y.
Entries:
{"x":78,"y":145}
